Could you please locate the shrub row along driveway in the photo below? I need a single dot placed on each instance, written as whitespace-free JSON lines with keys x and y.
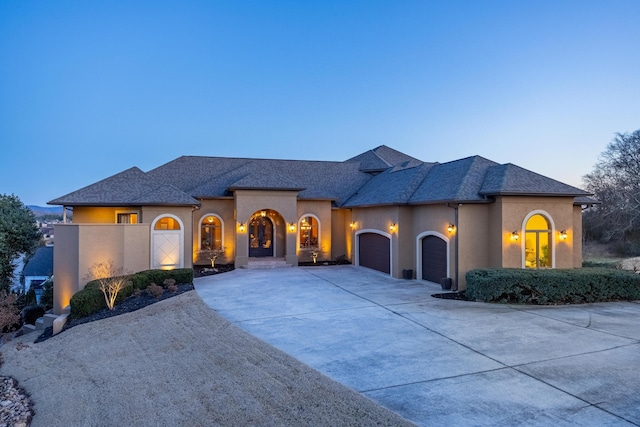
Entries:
{"x":443,"y":362}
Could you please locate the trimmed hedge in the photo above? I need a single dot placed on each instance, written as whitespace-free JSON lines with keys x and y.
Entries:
{"x":91,"y":299}
{"x":554,"y":286}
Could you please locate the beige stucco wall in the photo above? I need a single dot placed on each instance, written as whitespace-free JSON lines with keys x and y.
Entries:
{"x":185,"y":214}
{"x":225,"y":209}
{"x":322,"y":210}
{"x":341,"y":234}
{"x":79,"y":246}
{"x":101,"y":215}
{"x":473,"y":238}
{"x":559,"y":210}
{"x":284,"y":203}
{"x":577,"y":236}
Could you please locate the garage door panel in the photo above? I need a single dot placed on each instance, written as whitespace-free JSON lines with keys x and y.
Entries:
{"x":434,"y":258}
{"x":374,"y":252}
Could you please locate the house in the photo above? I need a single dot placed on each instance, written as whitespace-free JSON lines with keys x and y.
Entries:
{"x":39,"y":268}
{"x":382,"y":210}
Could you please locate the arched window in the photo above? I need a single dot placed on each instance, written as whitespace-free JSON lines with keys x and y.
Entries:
{"x":167,"y":223}
{"x":210,"y":233}
{"x":309,"y":235}
{"x":538,"y":244}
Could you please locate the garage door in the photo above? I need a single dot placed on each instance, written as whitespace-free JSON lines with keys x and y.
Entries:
{"x":374,"y":252}
{"x":434,"y":258}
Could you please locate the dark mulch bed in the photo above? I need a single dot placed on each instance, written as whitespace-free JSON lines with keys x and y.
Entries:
{"x":203,"y":270}
{"x":136,"y":302}
{"x":459,"y":296}
{"x":132,"y":303}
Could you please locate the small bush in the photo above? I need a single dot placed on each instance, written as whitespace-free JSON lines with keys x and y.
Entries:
{"x":155,"y":290}
{"x":554,"y":286}
{"x":31,"y":313}
{"x":172,"y":288}
{"x":169,"y":282}
{"x":85,"y":302}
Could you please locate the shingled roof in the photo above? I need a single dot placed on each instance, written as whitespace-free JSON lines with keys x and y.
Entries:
{"x":131,"y":187}
{"x":41,"y":264}
{"x":382,"y":176}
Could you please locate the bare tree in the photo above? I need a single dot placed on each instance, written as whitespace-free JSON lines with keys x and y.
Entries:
{"x":615,"y":181}
{"x":111,"y":280}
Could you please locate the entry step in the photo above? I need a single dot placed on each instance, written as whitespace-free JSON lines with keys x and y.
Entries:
{"x":264,"y":263}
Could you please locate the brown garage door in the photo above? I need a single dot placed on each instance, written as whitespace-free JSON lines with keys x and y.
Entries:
{"x":434,"y":259}
{"x":374,"y":251}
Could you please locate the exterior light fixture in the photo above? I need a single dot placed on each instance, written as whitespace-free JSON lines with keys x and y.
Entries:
{"x":515,"y":236}
{"x":292,"y":227}
{"x":241,"y":227}
{"x":563,"y":235}
{"x":451,"y":228}
{"x":352,"y":225}
{"x":393,"y":227}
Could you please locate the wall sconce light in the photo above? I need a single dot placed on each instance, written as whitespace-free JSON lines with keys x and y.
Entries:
{"x":241,"y":227}
{"x":451,"y":228}
{"x":393,"y":227}
{"x":563,"y":235}
{"x":352,"y":225}
{"x":515,"y":236}
{"x":292,"y":227}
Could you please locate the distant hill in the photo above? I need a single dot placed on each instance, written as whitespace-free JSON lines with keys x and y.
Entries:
{"x":40,"y":211}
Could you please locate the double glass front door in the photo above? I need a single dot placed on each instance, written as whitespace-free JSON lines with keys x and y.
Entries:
{"x":260,"y":237}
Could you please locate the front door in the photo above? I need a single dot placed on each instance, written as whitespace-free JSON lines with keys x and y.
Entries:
{"x":260,"y":237}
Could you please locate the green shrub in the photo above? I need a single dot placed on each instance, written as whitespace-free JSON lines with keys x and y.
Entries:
{"x":31,"y":313}
{"x":86,"y":302}
{"x":553,"y":286}
{"x":91,"y":299}
{"x":142,"y":279}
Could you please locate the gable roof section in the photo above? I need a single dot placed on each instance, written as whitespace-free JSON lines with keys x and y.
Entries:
{"x":509,"y":179}
{"x":382,"y":158}
{"x":393,"y":186}
{"x":459,"y":180}
{"x":41,"y":264}
{"x":213,"y":177}
{"x":131,"y":187}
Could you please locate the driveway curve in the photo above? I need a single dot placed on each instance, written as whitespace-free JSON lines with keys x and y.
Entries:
{"x":443,"y":362}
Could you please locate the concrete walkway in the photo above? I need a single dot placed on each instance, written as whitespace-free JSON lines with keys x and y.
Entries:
{"x":443,"y":362}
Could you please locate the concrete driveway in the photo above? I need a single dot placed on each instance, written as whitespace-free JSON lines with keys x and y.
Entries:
{"x":443,"y":362}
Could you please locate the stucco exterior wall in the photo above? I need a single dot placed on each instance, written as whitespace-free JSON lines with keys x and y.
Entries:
{"x":559,"y":210}
{"x":472,"y":237}
{"x":82,"y":245}
{"x":100,"y":215}
{"x":248,"y":202}
{"x":341,"y":234}
{"x":225,"y":210}
{"x":151,"y":213}
{"x":322,"y":210}
{"x":577,"y":237}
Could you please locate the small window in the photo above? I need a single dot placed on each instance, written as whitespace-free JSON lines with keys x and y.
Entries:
{"x":308,"y":232}
{"x":127,"y":218}
{"x":211,"y":234}
{"x":167,"y":223}
{"x":537,"y":242}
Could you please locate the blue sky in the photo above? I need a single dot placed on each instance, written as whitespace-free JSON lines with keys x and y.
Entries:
{"x":88,"y":88}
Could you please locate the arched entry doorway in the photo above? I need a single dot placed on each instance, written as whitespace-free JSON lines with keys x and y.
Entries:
{"x":261,"y":236}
